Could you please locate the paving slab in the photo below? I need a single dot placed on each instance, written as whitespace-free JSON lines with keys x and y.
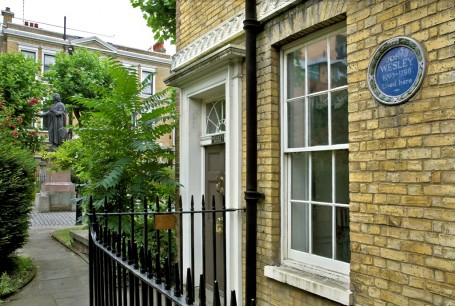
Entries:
{"x":62,"y":276}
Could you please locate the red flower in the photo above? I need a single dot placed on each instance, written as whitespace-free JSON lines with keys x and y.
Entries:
{"x":32,"y":133}
{"x":19,"y":120}
{"x":33,"y":101}
{"x":15,"y":134}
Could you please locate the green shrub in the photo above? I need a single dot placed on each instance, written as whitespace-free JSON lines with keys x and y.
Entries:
{"x":17,"y":189}
{"x":19,"y":272}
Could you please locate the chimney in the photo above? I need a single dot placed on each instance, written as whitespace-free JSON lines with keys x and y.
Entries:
{"x":159,"y":47}
{"x":7,"y":16}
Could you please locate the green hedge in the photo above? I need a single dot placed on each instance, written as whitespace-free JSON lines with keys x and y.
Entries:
{"x":17,"y":189}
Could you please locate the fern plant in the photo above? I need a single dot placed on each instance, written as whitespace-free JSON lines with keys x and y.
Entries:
{"x":116,"y":152}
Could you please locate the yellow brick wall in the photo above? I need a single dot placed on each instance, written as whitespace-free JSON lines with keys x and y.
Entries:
{"x":402,"y":158}
{"x":197,"y":17}
{"x":297,"y":22}
{"x":402,"y":161}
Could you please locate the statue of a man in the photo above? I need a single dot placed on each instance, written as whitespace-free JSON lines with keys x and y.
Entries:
{"x":57,"y":122}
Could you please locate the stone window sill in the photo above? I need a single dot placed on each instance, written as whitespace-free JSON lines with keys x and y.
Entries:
{"x":334,"y":290}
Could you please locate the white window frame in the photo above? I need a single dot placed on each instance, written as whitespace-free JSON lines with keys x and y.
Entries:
{"x":299,"y":260}
{"x":45,"y":53}
{"x":148,"y":71}
{"x":24,"y":49}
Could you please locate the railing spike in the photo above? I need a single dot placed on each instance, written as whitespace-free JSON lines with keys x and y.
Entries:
{"x":135,"y":257}
{"x":216,"y":295}
{"x":142,"y":259}
{"x":177,"y":290}
{"x":167,"y":273}
{"x":157,"y":268}
{"x":130,"y":252}
{"x":149,"y":264}
{"x":202,"y":298}
{"x":113,"y":241}
{"x":233,"y":298}
{"x":109,"y":239}
{"x":124,"y":255}
{"x":189,"y":287}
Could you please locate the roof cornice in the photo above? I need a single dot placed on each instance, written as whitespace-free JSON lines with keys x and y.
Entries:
{"x":79,"y":42}
{"x":225,"y":32}
{"x":210,"y":62}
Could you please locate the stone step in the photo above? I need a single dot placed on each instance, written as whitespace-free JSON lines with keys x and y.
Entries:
{"x":79,"y":241}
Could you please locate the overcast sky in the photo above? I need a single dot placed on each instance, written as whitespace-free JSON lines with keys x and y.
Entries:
{"x":113,"y":21}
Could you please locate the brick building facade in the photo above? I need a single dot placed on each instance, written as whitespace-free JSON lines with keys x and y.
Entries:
{"x":359,"y":196}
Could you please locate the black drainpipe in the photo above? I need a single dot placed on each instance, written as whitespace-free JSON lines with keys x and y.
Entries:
{"x":252,"y":196}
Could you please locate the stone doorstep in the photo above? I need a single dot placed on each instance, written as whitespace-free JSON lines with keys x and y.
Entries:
{"x":80,"y":240}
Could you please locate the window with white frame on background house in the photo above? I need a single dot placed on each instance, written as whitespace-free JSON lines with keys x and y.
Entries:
{"x":315,"y":152}
{"x":148,"y":77}
{"x":29,"y":54}
{"x":48,"y":61}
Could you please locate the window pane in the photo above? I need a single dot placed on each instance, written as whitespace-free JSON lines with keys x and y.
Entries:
{"x":321,"y":183}
{"x":322,"y":230}
{"x":342,"y":177}
{"x":338,"y":60}
{"x":318,"y":116}
{"x":299,"y":227}
{"x":296,"y":73}
{"x":48,"y":61}
{"x":299,"y":176}
{"x":340,"y":117}
{"x":215,"y":117}
{"x":296,"y":124}
{"x":317,"y":66}
{"x":148,"y":89}
{"x":29,"y":54}
{"x":343,"y":252}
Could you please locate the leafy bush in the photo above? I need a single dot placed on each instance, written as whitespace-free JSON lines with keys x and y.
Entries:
{"x":19,"y":272}
{"x":17,"y":189}
{"x":117,"y":152}
{"x":19,"y":92}
{"x":81,"y":74}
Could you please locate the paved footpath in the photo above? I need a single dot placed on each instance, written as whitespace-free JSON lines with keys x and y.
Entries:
{"x":62,"y":276}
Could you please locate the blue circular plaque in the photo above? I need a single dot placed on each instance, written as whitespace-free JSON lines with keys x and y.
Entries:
{"x":396,"y":70}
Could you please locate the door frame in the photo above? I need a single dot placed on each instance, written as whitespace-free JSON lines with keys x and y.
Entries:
{"x":226,"y":81}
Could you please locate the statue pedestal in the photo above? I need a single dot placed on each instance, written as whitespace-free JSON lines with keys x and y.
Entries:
{"x":56,"y":190}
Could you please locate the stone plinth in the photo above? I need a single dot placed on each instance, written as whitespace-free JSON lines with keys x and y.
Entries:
{"x":56,"y":191}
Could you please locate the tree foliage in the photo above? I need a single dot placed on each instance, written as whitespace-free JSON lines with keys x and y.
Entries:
{"x":160,"y":16}
{"x":82,"y":74}
{"x":20,"y":91}
{"x":17,"y":188}
{"x":116,"y":152}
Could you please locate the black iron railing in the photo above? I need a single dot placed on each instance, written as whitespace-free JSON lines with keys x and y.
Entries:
{"x":127,"y":269}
